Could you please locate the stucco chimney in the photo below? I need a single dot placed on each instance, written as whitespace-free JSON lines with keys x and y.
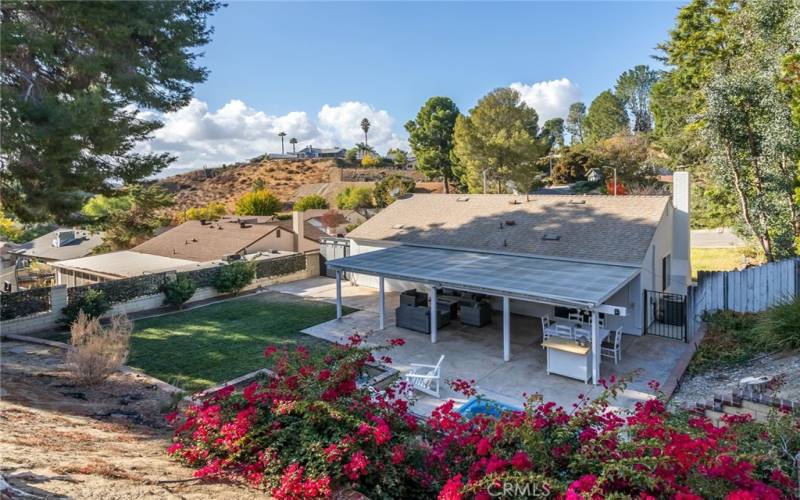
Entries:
{"x":681,"y":271}
{"x":298,"y":226}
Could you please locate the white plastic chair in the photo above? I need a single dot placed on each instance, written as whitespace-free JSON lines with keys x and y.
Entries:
{"x":426,"y":378}
{"x":583,"y":332}
{"x":613,"y":349}
{"x":575,"y":316}
{"x":547,"y":325}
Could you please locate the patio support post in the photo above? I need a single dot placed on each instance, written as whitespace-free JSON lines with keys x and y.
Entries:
{"x":381,"y":304}
{"x":434,"y":316}
{"x":595,"y":349}
{"x":506,"y":329}
{"x":338,"y":294}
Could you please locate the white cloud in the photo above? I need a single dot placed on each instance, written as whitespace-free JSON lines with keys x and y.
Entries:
{"x":237,"y":132}
{"x":550,"y":99}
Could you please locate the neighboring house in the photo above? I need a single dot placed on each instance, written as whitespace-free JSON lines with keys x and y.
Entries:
{"x":113,"y":266}
{"x":343,"y":218}
{"x":203,"y":241}
{"x":312,"y":152}
{"x":60,"y":244}
{"x":537,"y":254}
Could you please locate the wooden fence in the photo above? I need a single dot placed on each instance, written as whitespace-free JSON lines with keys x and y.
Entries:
{"x":749,"y":290}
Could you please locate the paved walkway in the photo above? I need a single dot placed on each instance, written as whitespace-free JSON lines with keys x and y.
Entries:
{"x":477,"y":353}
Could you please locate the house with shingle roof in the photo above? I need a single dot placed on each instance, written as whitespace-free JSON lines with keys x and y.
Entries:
{"x":541,"y":255}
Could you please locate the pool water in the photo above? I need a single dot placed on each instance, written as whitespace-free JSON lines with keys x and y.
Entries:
{"x":478,"y":406}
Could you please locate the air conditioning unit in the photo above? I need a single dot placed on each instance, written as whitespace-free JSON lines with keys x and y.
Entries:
{"x":231,"y":257}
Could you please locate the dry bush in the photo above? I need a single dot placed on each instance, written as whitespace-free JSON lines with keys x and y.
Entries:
{"x":98,"y":351}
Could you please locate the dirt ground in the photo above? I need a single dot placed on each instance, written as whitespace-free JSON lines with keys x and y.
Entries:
{"x":59,"y":440}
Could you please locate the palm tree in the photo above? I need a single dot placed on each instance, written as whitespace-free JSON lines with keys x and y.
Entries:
{"x":293,"y":141}
{"x":365,"y":128}
{"x":282,"y":135}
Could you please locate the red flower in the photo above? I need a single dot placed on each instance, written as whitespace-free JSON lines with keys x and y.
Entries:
{"x":741,"y":495}
{"x":269,"y":351}
{"x":520,"y":461}
{"x":483,"y":447}
{"x":397,"y":342}
{"x":398,"y":454}
{"x":174,"y":448}
{"x":452,"y":489}
{"x":332,"y":453}
{"x":357,"y":466}
{"x":323,"y":375}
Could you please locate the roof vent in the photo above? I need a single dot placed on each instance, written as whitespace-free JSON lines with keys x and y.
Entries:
{"x":244,"y":225}
{"x":398,"y":226}
{"x":514,"y":202}
{"x":577,"y":202}
{"x":462,"y":198}
{"x":511,"y":222}
{"x":551,"y":237}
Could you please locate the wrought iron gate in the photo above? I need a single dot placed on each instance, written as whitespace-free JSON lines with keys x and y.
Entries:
{"x":330,"y":249}
{"x":665,"y":315}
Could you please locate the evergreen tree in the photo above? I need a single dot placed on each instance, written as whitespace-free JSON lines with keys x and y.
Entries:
{"x":73,"y":76}
{"x":606,"y":117}
{"x":575,"y":122}
{"x":431,"y":138}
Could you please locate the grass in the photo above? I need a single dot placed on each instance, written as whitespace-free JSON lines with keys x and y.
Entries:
{"x":199,"y":348}
{"x":721,"y":259}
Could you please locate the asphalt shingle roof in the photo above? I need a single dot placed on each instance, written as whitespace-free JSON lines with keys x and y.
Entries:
{"x":592,"y":228}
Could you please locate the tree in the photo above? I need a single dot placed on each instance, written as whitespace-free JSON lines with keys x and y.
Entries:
{"x":371,"y":161}
{"x":500,"y":138}
{"x":351,"y":155}
{"x":398,"y":156}
{"x":365,"y":127}
{"x":430,"y":136}
{"x":354,"y":198}
{"x":282,"y":135}
{"x":754,"y":144}
{"x":293,"y":142}
{"x":575,"y":122}
{"x":392,"y":187}
{"x":129,"y":218}
{"x":73,"y":77}
{"x":633,"y":89}
{"x":258,"y":202}
{"x":553,"y":133}
{"x":310,"y":202}
{"x":606,"y":117}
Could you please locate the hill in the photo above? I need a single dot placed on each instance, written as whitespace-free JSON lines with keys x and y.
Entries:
{"x":283,"y":177}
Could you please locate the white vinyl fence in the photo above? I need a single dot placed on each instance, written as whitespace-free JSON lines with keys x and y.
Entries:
{"x":749,"y":290}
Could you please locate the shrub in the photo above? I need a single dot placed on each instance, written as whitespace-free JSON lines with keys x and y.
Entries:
{"x":96,"y":351}
{"x":213,"y":210}
{"x":370,"y":160}
{"x":233,"y":277}
{"x":179,"y":290}
{"x":392,"y":187}
{"x":310,"y":428}
{"x":312,"y":201}
{"x":354,"y":198}
{"x":94,"y":303}
{"x":778,"y":328}
{"x":259,"y":202}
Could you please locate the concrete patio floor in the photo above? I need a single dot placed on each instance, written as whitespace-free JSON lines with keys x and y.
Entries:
{"x":473,"y":353}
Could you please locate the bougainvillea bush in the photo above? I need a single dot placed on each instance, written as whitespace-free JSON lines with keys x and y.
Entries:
{"x":311,"y":429}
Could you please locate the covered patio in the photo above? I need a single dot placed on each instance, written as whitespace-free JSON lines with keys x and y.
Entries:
{"x":582,"y":286}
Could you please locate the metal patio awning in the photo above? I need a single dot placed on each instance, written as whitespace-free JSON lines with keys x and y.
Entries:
{"x":535,"y":279}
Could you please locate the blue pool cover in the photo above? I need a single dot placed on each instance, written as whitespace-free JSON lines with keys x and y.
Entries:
{"x":478,"y":406}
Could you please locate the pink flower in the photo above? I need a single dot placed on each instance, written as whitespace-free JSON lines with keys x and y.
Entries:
{"x":174,"y":448}
{"x":357,"y":466}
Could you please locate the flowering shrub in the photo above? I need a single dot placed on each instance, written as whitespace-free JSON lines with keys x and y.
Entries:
{"x":311,"y":429}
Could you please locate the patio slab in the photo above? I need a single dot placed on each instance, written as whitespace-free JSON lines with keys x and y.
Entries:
{"x":473,"y":353}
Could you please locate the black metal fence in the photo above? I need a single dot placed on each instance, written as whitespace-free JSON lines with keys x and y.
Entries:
{"x":665,"y":315}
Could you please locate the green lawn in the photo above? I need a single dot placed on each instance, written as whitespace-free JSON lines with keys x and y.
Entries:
{"x":721,"y":259}
{"x":200,"y":348}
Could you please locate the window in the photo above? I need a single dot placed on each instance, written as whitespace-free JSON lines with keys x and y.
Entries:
{"x":278,"y":233}
{"x":666,"y":268}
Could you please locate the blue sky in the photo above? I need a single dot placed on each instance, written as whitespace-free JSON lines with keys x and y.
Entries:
{"x":314,"y":68}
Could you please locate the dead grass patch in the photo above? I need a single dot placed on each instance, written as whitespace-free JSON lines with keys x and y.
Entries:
{"x":100,"y":468}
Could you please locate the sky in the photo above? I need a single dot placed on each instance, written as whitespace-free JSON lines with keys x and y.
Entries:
{"x":315,"y":69}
